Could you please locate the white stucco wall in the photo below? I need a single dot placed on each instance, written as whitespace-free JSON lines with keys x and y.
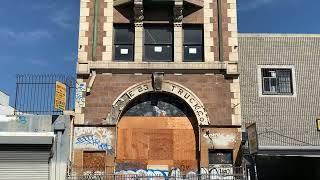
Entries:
{"x":5,"y":108}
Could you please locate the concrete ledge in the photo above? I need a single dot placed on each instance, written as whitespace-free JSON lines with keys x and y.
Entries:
{"x":276,"y":35}
{"x":156,"y":65}
{"x":26,"y":138}
{"x":304,"y":151}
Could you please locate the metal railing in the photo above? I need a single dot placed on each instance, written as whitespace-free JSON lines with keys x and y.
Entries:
{"x":222,"y":173}
{"x":35,"y":93}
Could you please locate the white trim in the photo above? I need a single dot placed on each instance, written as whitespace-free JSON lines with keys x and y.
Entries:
{"x":27,"y":134}
{"x":288,"y":155}
{"x":262,"y":35}
{"x":294,"y":86}
{"x":298,"y":148}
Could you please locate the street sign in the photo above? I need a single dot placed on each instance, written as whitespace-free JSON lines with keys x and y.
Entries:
{"x":60,"y":98}
{"x":252,"y":138}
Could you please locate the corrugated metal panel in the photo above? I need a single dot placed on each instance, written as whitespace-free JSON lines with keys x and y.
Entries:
{"x":26,"y":165}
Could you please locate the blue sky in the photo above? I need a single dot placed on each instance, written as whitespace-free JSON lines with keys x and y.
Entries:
{"x":41,"y":36}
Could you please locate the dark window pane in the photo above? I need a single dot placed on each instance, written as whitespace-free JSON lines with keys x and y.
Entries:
{"x":266,"y":85}
{"x":269,"y":85}
{"x":123,"y":52}
{"x":193,"y":53}
{"x":157,"y":53}
{"x":157,"y":35}
{"x":284,"y":81}
{"x":277,"y":81}
{"x":123,"y":34}
{"x":193,"y":35}
{"x":220,"y":157}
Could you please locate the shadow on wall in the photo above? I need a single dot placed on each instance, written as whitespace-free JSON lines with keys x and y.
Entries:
{"x":293,"y":168}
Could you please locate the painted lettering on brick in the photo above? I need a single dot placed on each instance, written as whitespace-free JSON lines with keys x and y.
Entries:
{"x":169,"y":87}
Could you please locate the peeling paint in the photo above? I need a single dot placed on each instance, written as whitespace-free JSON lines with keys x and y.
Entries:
{"x":219,"y":139}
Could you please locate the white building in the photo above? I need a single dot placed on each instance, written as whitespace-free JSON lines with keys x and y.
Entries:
{"x":5,"y":109}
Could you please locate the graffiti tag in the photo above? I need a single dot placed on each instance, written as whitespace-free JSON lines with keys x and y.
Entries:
{"x":93,"y":138}
{"x":22,"y":120}
{"x":94,"y":141}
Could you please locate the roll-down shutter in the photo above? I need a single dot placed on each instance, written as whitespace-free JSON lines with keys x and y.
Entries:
{"x":24,"y":163}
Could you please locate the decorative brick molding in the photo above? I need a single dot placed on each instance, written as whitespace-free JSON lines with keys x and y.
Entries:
{"x":170,"y":87}
{"x":147,"y":66}
{"x":178,"y":42}
{"x":235,"y":102}
{"x":108,"y":29}
{"x":213,"y":90}
{"x":83,"y":31}
{"x":208,"y":30}
{"x":233,"y":30}
{"x":138,"y":29}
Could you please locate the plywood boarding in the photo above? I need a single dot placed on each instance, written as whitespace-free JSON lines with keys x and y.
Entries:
{"x":156,"y":141}
{"x":94,"y":160}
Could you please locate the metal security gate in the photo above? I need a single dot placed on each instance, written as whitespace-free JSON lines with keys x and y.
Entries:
{"x":24,"y":163}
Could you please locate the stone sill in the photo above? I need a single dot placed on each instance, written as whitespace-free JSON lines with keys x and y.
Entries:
{"x":156,"y":65}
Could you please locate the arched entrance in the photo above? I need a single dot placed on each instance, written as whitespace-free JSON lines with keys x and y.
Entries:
{"x":158,"y":129}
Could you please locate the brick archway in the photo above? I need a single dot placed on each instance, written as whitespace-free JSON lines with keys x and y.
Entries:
{"x":170,"y":87}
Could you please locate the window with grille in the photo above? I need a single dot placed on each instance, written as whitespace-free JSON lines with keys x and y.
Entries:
{"x":193,"y":43}
{"x":276,"y":81}
{"x":158,"y":41}
{"x":123,"y":42}
{"x":220,"y":157}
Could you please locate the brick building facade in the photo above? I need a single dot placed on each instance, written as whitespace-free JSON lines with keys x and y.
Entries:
{"x":158,"y":86}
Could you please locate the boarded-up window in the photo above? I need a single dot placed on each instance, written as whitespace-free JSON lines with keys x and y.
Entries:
{"x":220,"y":156}
{"x":123,"y":42}
{"x":93,"y":160}
{"x":158,"y":43}
{"x":193,"y":43}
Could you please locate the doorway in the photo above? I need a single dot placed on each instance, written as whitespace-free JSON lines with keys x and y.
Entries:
{"x":157,"y":131}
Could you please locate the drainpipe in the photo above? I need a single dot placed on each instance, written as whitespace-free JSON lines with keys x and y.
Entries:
{"x":95,"y":30}
{"x":220,"y":30}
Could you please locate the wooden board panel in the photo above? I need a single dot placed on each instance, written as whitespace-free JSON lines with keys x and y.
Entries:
{"x":184,"y":144}
{"x":94,"y":160}
{"x":161,"y":144}
{"x":140,"y":122}
{"x":156,"y":141}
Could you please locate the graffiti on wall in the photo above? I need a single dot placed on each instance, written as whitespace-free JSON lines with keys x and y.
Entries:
{"x":128,"y":165}
{"x":144,"y":172}
{"x":93,"y":138}
{"x":22,"y":120}
{"x":221,"y":172}
{"x":216,"y":172}
{"x":80,"y":99}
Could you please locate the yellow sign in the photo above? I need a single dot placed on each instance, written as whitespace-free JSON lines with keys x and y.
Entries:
{"x":318,"y":124}
{"x":60,"y":97}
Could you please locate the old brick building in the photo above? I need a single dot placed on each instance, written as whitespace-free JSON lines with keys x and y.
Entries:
{"x":158,"y":86}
